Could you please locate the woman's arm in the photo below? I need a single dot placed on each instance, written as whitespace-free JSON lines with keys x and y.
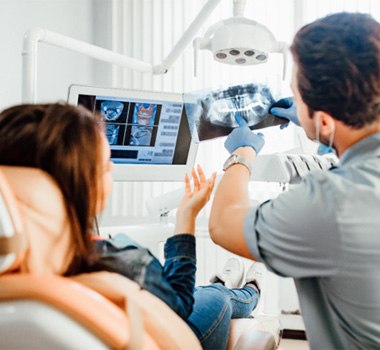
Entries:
{"x":193,"y":200}
{"x":174,"y":282}
{"x":180,"y":252}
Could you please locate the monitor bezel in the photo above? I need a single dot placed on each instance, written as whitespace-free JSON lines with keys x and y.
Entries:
{"x":141,"y":172}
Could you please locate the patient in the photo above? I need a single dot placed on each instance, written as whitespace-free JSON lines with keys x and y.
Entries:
{"x":69,"y":144}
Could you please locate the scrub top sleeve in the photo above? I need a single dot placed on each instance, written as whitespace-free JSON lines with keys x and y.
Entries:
{"x":250,"y":234}
{"x":296,"y":234}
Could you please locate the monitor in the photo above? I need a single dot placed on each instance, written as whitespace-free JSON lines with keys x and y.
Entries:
{"x":148,"y":131}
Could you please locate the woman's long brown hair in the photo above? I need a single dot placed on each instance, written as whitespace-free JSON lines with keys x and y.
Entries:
{"x":64,"y":141}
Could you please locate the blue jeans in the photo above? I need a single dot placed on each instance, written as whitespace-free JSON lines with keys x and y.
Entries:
{"x":214,"y":307}
{"x":208,"y":310}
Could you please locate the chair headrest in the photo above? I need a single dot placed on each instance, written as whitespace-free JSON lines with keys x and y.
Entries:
{"x":34,"y":198}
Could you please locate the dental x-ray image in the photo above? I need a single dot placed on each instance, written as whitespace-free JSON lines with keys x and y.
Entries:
{"x":141,"y":135}
{"x":112,"y":133}
{"x":112,"y":114}
{"x":144,"y":114}
{"x":212,"y":113}
{"x":111,"y":110}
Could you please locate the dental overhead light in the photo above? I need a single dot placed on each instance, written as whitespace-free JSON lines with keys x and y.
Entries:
{"x":239,"y":41}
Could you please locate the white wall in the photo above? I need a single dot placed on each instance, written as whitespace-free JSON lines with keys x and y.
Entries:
{"x":57,"y":68}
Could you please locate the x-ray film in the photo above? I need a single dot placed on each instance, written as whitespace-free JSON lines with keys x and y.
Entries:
{"x":211,"y":114}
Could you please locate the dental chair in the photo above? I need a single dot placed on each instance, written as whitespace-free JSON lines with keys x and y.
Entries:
{"x":41,"y":309}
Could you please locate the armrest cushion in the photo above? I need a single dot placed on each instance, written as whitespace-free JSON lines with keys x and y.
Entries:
{"x":167,"y":329}
{"x":263,"y":324}
{"x":87,"y":307}
{"x":257,"y":340}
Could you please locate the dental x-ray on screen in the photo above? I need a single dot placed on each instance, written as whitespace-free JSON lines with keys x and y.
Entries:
{"x":148,"y":132}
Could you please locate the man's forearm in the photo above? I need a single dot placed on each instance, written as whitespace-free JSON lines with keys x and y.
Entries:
{"x":231,"y":202}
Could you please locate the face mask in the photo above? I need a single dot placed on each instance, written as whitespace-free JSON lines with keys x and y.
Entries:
{"x":324,"y":149}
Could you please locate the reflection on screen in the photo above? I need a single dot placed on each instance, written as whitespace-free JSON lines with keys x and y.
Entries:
{"x":142,"y":132}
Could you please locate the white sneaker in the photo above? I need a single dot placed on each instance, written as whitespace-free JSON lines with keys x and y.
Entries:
{"x":255,"y":275}
{"x":232,"y":275}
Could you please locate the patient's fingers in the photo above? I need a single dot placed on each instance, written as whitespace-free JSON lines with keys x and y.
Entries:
{"x":201,"y":183}
{"x":196,"y":180}
{"x":187,"y":184}
{"x":201,"y":175}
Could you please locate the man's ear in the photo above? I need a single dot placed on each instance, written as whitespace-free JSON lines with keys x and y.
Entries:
{"x":326,"y":123}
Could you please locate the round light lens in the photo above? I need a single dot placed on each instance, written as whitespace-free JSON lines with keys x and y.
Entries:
{"x":221,"y":55}
{"x":234,"y":52}
{"x":261,"y":57}
{"x":240,"y":60}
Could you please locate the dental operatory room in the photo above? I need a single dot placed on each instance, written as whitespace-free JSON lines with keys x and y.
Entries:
{"x":150,"y":151}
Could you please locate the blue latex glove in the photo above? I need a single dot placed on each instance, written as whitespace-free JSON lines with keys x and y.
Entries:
{"x":243,"y":136}
{"x":285,"y":108}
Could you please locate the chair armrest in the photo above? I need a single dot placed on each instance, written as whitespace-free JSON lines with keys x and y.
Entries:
{"x":167,"y":329}
{"x":259,"y":325}
{"x":82,"y":304}
{"x":256,"y":340}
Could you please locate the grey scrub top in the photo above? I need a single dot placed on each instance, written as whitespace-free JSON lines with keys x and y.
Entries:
{"x":325,"y":233}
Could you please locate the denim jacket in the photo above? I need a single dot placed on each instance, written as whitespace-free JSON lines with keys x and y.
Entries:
{"x":173,"y":282}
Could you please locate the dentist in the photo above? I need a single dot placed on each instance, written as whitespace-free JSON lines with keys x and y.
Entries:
{"x":325,"y":232}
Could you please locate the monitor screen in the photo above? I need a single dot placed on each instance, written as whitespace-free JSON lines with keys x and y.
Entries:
{"x":148,"y":131}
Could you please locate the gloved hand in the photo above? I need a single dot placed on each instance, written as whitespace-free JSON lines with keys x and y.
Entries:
{"x":243,"y":136}
{"x":285,"y":108}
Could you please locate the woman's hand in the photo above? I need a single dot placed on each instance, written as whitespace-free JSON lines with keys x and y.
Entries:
{"x":193,"y":200}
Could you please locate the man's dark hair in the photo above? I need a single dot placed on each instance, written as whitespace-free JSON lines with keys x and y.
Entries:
{"x":338,"y":61}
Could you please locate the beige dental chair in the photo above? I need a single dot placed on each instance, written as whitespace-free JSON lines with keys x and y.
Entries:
{"x":40,"y":309}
